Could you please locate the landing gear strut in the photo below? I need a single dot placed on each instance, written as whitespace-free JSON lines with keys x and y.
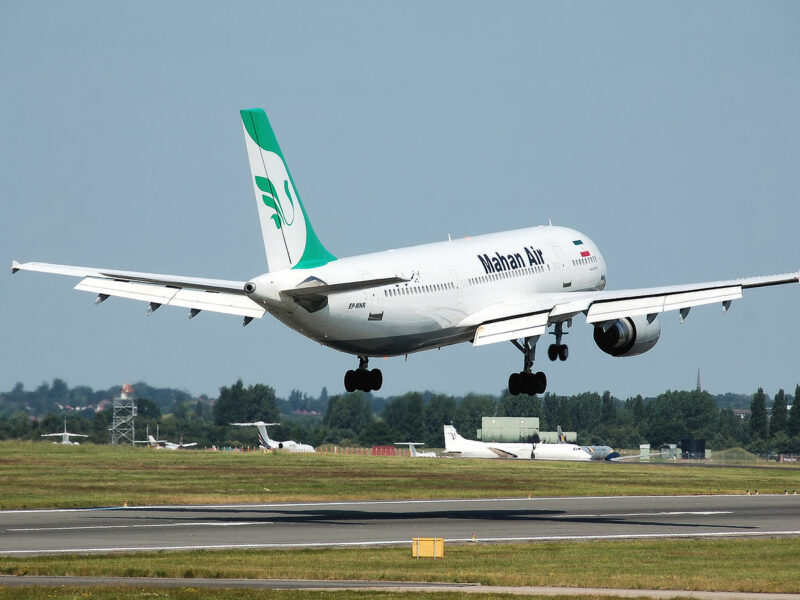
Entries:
{"x":527,"y":382}
{"x":558,"y":350}
{"x":362,"y":378}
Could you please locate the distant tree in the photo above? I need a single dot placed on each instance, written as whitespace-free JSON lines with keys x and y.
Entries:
{"x":522,"y":405}
{"x":349,"y":411}
{"x":779,"y":419}
{"x":404,"y":414}
{"x":378,"y":433}
{"x":759,"y":428}
{"x":440,"y":410}
{"x":609,"y":408}
{"x":147,"y":409}
{"x":237,"y":404}
{"x":793,"y":424}
{"x":470,"y":412}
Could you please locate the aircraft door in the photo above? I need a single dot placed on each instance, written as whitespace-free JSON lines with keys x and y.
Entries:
{"x":375,"y":305}
{"x":560,"y":266}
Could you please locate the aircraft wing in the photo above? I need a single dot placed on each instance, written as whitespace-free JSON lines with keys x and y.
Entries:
{"x":531,"y":317}
{"x":502,"y":453}
{"x":196,"y":294}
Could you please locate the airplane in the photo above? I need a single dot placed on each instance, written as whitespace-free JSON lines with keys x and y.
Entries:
{"x":65,"y":435}
{"x":511,"y":286}
{"x":455,"y":445}
{"x":412,"y":447}
{"x":595,"y":452}
{"x":266,"y":443}
{"x":157,"y":444}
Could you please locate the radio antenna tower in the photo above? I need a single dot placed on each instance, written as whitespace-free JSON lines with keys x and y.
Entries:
{"x":124,"y":412}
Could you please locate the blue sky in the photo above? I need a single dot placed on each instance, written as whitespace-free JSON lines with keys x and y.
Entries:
{"x":668,"y":133}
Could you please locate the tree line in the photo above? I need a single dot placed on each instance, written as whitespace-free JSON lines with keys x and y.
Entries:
{"x":363,"y":419}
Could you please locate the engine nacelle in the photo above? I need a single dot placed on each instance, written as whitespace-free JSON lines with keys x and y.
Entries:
{"x":628,"y":336}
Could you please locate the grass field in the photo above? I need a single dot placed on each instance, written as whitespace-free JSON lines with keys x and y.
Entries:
{"x":752,"y":565}
{"x":121,"y":593}
{"x":42,"y":475}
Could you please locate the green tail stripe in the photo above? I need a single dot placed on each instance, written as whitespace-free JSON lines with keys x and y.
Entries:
{"x":260,"y":131}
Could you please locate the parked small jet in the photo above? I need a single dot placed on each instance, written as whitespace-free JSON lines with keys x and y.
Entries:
{"x":65,"y":435}
{"x":164,"y":444}
{"x":412,"y":448}
{"x":266,"y":443}
{"x":510,"y":286}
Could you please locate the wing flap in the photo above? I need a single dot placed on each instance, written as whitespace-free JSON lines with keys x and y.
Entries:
{"x":610,"y":310}
{"x":212,"y":301}
{"x":127,"y":289}
{"x":220,"y":302}
{"x":511,"y":329}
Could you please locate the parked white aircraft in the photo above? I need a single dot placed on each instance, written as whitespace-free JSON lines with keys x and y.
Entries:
{"x":265,"y":442}
{"x":65,"y":435}
{"x":511,"y":286}
{"x":164,"y":444}
{"x":455,"y":445}
{"x":412,"y":448}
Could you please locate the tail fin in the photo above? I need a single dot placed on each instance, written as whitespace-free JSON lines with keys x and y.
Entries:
{"x":412,"y":450}
{"x":263,"y":437}
{"x":289,"y":238}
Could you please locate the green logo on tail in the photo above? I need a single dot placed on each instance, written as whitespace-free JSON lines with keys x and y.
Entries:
{"x":272,"y":200}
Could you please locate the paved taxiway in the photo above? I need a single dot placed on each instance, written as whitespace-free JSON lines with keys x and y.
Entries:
{"x":323,"y":524}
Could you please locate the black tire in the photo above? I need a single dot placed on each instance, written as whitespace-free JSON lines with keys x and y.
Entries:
{"x":364,"y":380}
{"x":514,"y":384}
{"x":552,"y":352}
{"x":540,"y":380}
{"x":350,"y":381}
{"x":563,"y":352}
{"x":375,"y":379}
{"x":529,"y":383}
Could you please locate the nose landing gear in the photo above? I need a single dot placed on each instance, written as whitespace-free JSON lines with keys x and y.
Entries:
{"x":558,"y":350}
{"x":527,"y":382}
{"x":362,"y":378}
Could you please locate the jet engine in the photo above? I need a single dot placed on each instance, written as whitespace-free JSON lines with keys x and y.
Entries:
{"x":628,"y":336}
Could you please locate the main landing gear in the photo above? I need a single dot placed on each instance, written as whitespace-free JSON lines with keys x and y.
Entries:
{"x":527,"y":382}
{"x":362,"y":378}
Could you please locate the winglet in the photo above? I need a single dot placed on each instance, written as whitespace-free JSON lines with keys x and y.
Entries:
{"x":15,"y":266}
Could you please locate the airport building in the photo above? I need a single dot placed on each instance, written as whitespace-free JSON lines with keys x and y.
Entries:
{"x":518,"y":429}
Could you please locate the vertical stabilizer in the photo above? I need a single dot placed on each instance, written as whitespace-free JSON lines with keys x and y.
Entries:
{"x":289,"y":239}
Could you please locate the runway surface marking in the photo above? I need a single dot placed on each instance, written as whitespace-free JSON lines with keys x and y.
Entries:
{"x":143,"y":526}
{"x":546,"y":538}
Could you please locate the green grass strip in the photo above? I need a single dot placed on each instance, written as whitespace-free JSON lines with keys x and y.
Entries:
{"x":752,"y":565}
{"x":42,"y":475}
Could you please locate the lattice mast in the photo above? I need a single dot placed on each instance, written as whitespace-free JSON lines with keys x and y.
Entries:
{"x":122,"y":426}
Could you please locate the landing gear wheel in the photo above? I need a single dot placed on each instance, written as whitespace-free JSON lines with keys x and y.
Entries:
{"x":364,"y":380}
{"x":514,"y":384}
{"x":540,"y":382}
{"x":375,"y":379}
{"x":350,"y":381}
{"x":563,"y":352}
{"x":552,"y":352}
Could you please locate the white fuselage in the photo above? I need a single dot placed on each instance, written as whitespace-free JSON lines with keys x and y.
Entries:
{"x":543,"y":451}
{"x":451,"y":288}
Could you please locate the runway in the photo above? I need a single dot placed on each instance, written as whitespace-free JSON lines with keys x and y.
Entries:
{"x":331,"y":524}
